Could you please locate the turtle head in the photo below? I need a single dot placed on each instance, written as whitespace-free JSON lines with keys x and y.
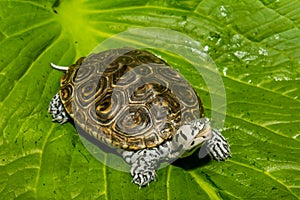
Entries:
{"x":193,"y":135}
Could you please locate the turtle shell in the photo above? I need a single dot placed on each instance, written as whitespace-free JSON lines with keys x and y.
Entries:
{"x":128,"y":98}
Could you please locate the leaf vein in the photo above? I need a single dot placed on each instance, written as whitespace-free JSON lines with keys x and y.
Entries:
{"x":265,"y":173}
{"x":210,"y":191}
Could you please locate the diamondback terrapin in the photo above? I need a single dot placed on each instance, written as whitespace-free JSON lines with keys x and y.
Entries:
{"x":133,"y":100}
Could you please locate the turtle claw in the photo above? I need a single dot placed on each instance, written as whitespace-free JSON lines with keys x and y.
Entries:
{"x":143,"y":179}
{"x":218,"y":147}
{"x":144,"y":164}
{"x":220,"y":153}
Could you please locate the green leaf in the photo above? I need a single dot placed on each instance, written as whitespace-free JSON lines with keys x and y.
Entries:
{"x":255,"y":46}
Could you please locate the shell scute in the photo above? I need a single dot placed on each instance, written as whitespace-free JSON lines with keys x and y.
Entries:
{"x":128,"y":98}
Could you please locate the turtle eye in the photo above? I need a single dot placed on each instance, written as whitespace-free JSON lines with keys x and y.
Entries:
{"x":195,"y":125}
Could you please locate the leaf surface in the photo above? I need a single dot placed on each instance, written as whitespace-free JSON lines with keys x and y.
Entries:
{"x":255,"y":46}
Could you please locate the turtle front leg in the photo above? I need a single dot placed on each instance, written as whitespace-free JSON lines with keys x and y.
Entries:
{"x":144,"y":163}
{"x":57,"y":110}
{"x":217,"y":146}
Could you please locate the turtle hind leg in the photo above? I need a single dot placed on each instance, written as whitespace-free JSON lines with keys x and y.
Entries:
{"x":57,"y":110}
{"x":217,"y":146}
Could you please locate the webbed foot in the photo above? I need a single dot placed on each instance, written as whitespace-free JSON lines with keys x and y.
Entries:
{"x":143,"y":178}
{"x":144,"y":164}
{"x":143,"y":169}
{"x":217,"y":146}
